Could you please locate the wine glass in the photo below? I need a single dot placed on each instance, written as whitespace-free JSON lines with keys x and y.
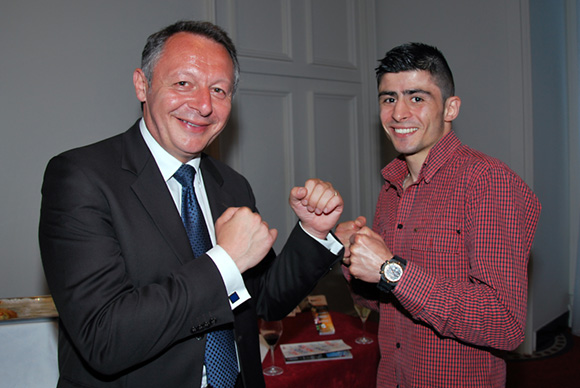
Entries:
{"x":363,"y":313}
{"x":271,"y":331}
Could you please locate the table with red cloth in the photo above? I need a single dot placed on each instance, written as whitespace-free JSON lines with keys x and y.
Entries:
{"x":360,"y":371}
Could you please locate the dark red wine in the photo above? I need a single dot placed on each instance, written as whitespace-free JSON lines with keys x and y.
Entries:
{"x":271,"y":338}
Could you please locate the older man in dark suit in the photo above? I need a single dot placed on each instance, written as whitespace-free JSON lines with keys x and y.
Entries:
{"x":136,"y":303}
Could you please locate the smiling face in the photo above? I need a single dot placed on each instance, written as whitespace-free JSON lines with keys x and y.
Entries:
{"x":413,"y":113}
{"x":189,"y":100}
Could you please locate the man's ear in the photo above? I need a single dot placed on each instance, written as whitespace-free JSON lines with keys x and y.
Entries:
{"x":140,"y":82}
{"x":452,"y":106}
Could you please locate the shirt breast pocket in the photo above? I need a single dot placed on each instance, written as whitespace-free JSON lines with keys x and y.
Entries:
{"x":438,"y":250}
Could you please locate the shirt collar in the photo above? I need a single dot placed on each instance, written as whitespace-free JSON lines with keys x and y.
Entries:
{"x":396,"y":171}
{"x":439,"y":155}
{"x":166,"y":162}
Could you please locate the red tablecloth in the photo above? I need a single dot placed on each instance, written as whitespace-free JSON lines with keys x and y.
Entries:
{"x":360,"y":371}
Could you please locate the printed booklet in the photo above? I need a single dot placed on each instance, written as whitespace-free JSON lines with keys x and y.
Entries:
{"x":316,"y":351}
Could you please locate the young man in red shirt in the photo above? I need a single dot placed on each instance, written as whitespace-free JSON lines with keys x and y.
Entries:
{"x":446,"y":258}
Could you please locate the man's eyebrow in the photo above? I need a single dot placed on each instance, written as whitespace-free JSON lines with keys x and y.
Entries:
{"x":387,"y":93}
{"x":407,"y":92}
{"x":416,"y":91}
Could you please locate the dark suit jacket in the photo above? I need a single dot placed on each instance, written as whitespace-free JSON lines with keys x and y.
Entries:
{"x":134,"y":305}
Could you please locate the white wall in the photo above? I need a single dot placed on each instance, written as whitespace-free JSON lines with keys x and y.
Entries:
{"x":65,"y":80}
{"x":573,"y":22}
{"x":550,"y":267}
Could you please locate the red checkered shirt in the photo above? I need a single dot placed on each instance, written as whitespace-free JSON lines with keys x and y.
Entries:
{"x":465,"y":228}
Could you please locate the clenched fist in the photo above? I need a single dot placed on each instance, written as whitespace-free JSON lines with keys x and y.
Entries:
{"x":318,"y":206}
{"x":244,"y":236}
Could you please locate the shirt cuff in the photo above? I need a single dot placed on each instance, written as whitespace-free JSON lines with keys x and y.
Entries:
{"x":231,"y":276}
{"x":330,"y":243}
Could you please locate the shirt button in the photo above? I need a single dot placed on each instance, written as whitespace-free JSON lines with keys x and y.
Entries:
{"x":400,"y":226}
{"x":398,"y":345}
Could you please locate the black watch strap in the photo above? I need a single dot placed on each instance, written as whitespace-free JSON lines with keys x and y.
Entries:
{"x":383,"y":284}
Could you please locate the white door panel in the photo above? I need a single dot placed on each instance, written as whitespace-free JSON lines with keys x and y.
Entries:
{"x":299,"y":112}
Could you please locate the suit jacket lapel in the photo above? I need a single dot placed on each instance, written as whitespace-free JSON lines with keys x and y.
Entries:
{"x":151,"y":190}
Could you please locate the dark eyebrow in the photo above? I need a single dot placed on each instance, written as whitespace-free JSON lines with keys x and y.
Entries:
{"x":416,"y":91}
{"x":407,"y":92}
{"x":386,"y":93}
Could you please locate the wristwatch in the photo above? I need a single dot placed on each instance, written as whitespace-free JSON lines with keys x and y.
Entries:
{"x":391,"y":272}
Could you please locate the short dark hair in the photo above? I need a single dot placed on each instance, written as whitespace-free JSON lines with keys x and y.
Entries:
{"x":156,"y":43}
{"x":418,"y":56}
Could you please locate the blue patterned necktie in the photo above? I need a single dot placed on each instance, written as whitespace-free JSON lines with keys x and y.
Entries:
{"x":220,"y":352}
